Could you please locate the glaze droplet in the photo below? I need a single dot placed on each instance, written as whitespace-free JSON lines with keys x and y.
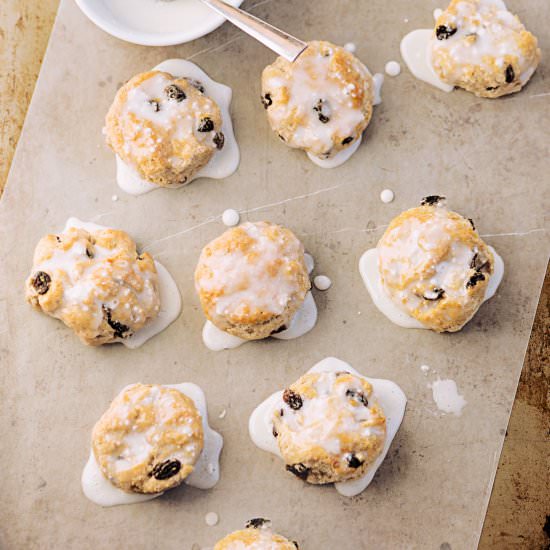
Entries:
{"x":387,"y":195}
{"x":230,"y":217}
{"x":322,"y":282}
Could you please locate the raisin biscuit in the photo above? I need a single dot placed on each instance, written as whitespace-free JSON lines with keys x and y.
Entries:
{"x":164,"y":127}
{"x":149,"y":439}
{"x":257,"y":536}
{"x":252,"y":279}
{"x":322,"y":102}
{"x":330,"y":428}
{"x":480,"y":46}
{"x":95,"y":282}
{"x":434,"y":265}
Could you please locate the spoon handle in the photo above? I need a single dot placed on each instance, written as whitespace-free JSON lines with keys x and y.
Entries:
{"x":280,"y":42}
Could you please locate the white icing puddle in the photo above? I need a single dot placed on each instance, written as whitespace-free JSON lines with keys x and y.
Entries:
{"x":339,"y":158}
{"x":388,"y":394}
{"x":206,"y":474}
{"x":170,"y":299}
{"x":302,"y":322}
{"x":223,"y":163}
{"x":446,"y":396}
{"x":368,"y":267}
{"x":230,"y":217}
{"x":416,"y":54}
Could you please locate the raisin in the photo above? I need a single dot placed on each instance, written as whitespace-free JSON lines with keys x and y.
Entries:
{"x":442,"y":32}
{"x":196,"y":84}
{"x":267,"y":101}
{"x":119,"y":328}
{"x":342,"y":373}
{"x":206,"y":125}
{"x":58,"y":239}
{"x":353,"y":461}
{"x":358,"y":396}
{"x":474,"y":279}
{"x":431,"y":200}
{"x":292,"y":399}
{"x":219,"y":140}
{"x":319,"y":107}
{"x":175,"y":93}
{"x":296,"y":545}
{"x":282,"y":328}
{"x":41,"y":282}
{"x":349,"y":139}
{"x":155,"y":105}
{"x":89,"y":253}
{"x":474,"y":264}
{"x":439,"y":294}
{"x":282,"y":412}
{"x":282,"y":137}
{"x":257,"y":523}
{"x":472,"y":223}
{"x":491,"y":88}
{"x":275,"y":432}
{"x":510,"y":75}
{"x":299,"y":470}
{"x":165,"y":470}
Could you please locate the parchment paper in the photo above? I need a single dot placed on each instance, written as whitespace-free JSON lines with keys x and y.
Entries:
{"x":490,"y":158}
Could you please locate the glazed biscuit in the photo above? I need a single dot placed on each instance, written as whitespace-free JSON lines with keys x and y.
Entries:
{"x":322,"y":102}
{"x":252,"y":279}
{"x":434,"y":265}
{"x":164,"y":127}
{"x":480,"y":46}
{"x":257,"y":536}
{"x":149,"y":439}
{"x":95,"y":282}
{"x":330,"y":428}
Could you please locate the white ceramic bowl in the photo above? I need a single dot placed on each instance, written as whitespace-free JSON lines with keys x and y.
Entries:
{"x":154,"y":22}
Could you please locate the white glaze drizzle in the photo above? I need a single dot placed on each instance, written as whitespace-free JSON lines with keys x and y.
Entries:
{"x":389,"y":395}
{"x":392,"y":68}
{"x":170,"y":298}
{"x":302,"y":322}
{"x":223,"y":163}
{"x":415,"y":50}
{"x":446,"y":397}
{"x":205,"y":475}
{"x":368,"y":267}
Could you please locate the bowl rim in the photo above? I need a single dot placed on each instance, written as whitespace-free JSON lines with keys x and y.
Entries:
{"x":118,"y":30}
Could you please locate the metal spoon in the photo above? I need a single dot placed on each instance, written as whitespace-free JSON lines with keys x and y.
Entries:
{"x":279,"y":41}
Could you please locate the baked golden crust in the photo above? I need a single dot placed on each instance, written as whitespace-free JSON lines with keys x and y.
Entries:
{"x":480,"y":46}
{"x":435,"y":266}
{"x":164,"y":127}
{"x":258,"y":537}
{"x":149,"y":439}
{"x":330,"y":428}
{"x":95,"y":282}
{"x":322,"y":102}
{"x":252,"y":279}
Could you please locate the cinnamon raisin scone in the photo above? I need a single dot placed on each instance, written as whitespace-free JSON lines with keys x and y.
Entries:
{"x":322,"y":102}
{"x":149,"y":439}
{"x":256,"y":536}
{"x":164,"y":127}
{"x":434,"y":265}
{"x":252,"y":279}
{"x":480,"y":46}
{"x":95,"y":282}
{"x":330,"y":428}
